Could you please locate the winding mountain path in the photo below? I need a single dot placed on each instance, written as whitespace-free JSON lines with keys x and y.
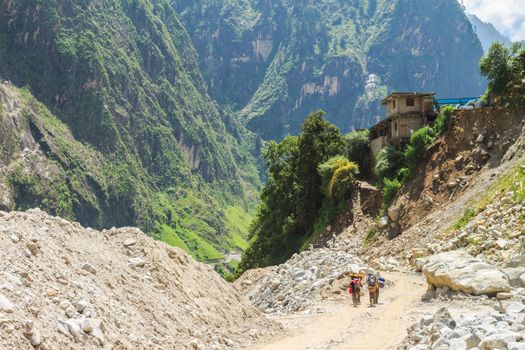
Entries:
{"x":344,"y":327}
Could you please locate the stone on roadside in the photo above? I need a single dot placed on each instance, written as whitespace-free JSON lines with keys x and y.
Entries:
{"x":503,"y":296}
{"x":462,"y":272}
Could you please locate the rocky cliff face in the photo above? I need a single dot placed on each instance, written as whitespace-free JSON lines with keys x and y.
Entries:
{"x":275,"y":61}
{"x":487,"y":33}
{"x":122,"y":77}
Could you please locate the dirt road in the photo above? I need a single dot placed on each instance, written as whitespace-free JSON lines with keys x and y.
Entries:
{"x":344,"y":327}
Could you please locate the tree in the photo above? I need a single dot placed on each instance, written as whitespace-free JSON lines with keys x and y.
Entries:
{"x":358,"y":149}
{"x":318,"y":142}
{"x":388,"y":161}
{"x":505,"y":70}
{"x":293,"y":196}
{"x":496,"y":67}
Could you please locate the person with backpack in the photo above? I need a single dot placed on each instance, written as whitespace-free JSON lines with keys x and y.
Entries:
{"x":355,"y":290}
{"x":373,"y":288}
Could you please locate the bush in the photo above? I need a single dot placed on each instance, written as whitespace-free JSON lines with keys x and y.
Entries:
{"x":338,"y":177}
{"x":343,"y":181}
{"x":388,"y":161}
{"x":443,"y":120}
{"x":358,"y":149}
{"x":419,"y":142}
{"x":390,"y":189}
{"x":518,"y":185}
{"x":327,"y":169}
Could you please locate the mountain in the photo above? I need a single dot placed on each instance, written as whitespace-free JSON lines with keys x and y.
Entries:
{"x":487,"y":33}
{"x":114,"y":126}
{"x":272,"y":62}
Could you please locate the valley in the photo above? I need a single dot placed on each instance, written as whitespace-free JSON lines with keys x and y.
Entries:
{"x":213,"y":175}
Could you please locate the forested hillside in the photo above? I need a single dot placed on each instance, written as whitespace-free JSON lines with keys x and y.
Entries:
{"x":273,"y":62}
{"x":136,"y":139}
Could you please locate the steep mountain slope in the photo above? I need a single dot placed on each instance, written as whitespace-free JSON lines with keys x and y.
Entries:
{"x":123,"y":77}
{"x":487,"y":33}
{"x":275,"y":61}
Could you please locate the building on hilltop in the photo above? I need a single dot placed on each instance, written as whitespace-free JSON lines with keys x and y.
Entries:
{"x":407,"y":112}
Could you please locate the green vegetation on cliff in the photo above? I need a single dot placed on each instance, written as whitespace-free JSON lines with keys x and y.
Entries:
{"x":505,"y":69}
{"x":275,"y":61}
{"x":309,"y":182}
{"x":147,"y":146}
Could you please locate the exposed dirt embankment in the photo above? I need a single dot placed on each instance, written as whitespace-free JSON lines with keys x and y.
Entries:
{"x":480,"y":147}
{"x":63,"y":286}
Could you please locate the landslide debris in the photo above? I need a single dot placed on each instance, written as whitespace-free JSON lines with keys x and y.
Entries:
{"x":64,"y":286}
{"x":501,"y":329}
{"x":481,"y":147}
{"x":313,"y":275}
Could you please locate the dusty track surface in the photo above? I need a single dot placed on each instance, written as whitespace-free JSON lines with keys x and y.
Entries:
{"x":341,"y":326}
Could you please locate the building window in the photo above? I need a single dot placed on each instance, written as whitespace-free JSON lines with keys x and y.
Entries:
{"x":410,"y":102}
{"x":395,"y":126}
{"x":394,"y":104}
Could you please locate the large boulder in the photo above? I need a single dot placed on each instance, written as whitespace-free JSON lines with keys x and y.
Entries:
{"x":462,"y":272}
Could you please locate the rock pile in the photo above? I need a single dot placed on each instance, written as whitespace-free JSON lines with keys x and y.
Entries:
{"x":496,"y":330}
{"x":496,"y":236}
{"x":461,"y":272}
{"x":307,"y":277}
{"x":63,"y":286}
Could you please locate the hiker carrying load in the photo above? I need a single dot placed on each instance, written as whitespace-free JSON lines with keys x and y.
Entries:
{"x":355,"y":288}
{"x":373,"y":288}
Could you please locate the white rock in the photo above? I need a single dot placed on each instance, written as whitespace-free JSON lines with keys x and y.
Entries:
{"x":130,"y":242}
{"x":515,"y":308}
{"x":515,"y":346}
{"x":498,"y":340}
{"x":89,"y":268}
{"x":6,"y":305}
{"x":460,"y":271}
{"x":90,"y":324}
{"x":502,"y":243}
{"x":81,"y":305}
{"x":514,"y":274}
{"x":73,"y":327}
{"x":137,"y":262}
{"x":419,"y":263}
{"x":36,"y":339}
